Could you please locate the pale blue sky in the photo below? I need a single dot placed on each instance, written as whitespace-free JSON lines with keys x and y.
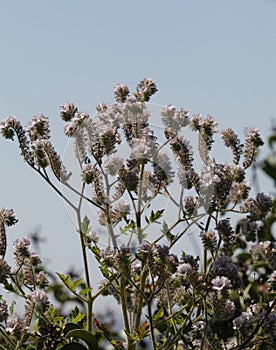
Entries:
{"x":209,"y":56}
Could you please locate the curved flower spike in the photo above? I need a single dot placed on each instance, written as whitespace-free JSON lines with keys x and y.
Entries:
{"x":7,"y":217}
{"x":9,"y":127}
{"x":56,"y":164}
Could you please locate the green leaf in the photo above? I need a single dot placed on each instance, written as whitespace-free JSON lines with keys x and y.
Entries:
{"x":132,"y":336}
{"x":76,"y":283}
{"x":56,"y":319}
{"x":35,"y":325}
{"x":127,"y":227}
{"x":96,"y":251}
{"x":74,"y":312}
{"x":105,"y":272}
{"x":167,"y":232}
{"x":9,"y":287}
{"x":74,"y":346}
{"x":84,"y":335}
{"x":259,"y":264}
{"x":85,"y":228}
{"x":269,"y":168}
{"x":158,"y":314}
{"x":143,"y":330}
{"x":271,"y":140}
{"x":12,"y":307}
{"x":29,"y":347}
{"x":85,"y":291}
{"x":67,"y":281}
{"x":156,"y":215}
{"x":70,"y":327}
{"x":78,"y":318}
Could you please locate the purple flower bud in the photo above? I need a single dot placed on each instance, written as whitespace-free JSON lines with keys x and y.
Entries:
{"x":39,"y":296}
{"x":22,"y":243}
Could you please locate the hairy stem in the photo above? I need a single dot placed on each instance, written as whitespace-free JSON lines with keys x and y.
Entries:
{"x":139,"y":205}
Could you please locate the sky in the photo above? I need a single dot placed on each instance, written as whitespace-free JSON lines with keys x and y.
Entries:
{"x":212,"y":57}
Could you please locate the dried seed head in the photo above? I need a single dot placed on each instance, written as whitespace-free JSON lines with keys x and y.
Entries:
{"x":121,"y":93}
{"x":67,"y":111}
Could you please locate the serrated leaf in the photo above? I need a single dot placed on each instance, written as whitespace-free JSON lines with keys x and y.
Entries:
{"x":74,"y":312}
{"x":84,"y":335}
{"x":9,"y":287}
{"x":156,"y":215}
{"x":57,"y":320}
{"x":85,"y":291}
{"x":167,"y":232}
{"x":67,"y":282}
{"x":78,"y":318}
{"x":127,"y":227}
{"x":76,"y":283}
{"x":51,"y":312}
{"x":165,"y":227}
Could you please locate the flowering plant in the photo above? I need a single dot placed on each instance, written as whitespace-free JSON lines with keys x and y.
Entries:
{"x":222,"y":298}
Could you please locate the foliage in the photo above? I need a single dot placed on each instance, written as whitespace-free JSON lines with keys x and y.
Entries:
{"x":222,"y":298}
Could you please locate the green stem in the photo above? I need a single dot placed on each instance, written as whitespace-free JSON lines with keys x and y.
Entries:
{"x":176,"y":336}
{"x":151,"y":326}
{"x":7,"y":338}
{"x":194,"y":221}
{"x":131,"y":345}
{"x":204,"y":249}
{"x":20,"y":292}
{"x":171,"y":197}
{"x":86,"y":269}
{"x":46,"y":178}
{"x":205,"y":328}
{"x":110,"y":228}
{"x":83,"y":196}
{"x":141,"y":298}
{"x":101,"y":290}
{"x":107,"y":215}
{"x":170,"y":308}
{"x":256,"y":329}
